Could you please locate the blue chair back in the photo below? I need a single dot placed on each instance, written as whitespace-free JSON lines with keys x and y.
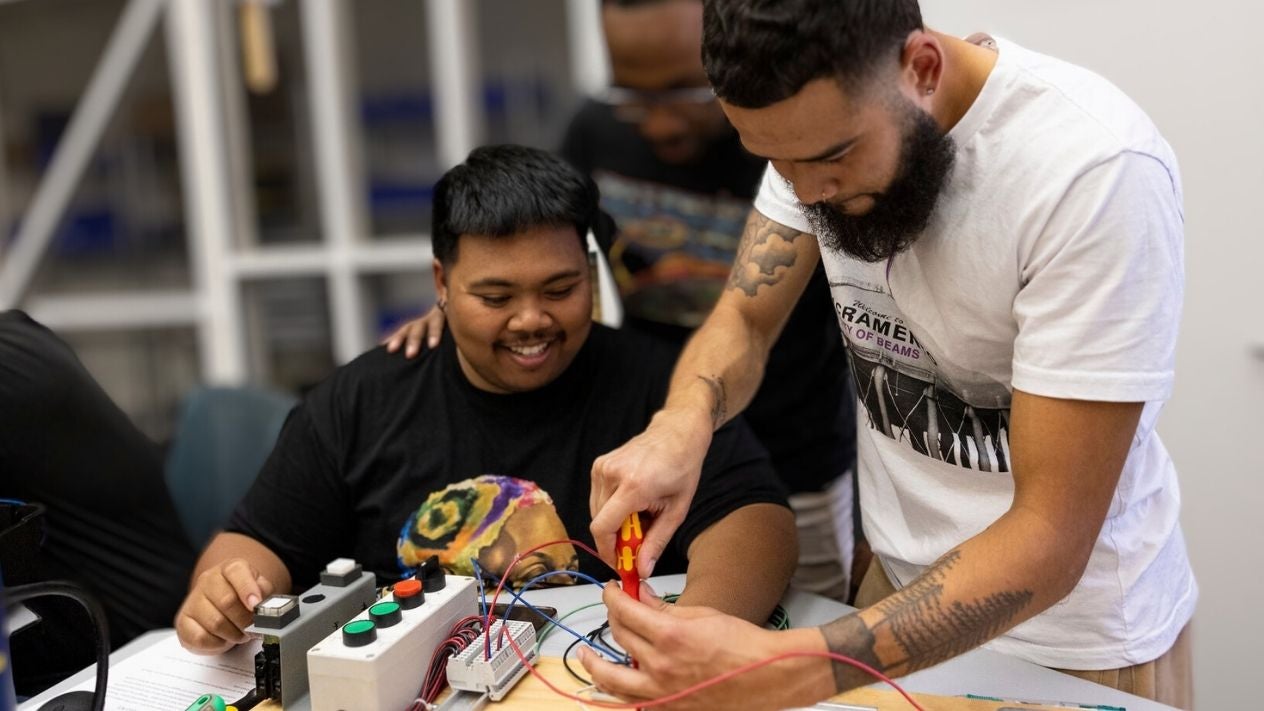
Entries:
{"x":224,"y":436}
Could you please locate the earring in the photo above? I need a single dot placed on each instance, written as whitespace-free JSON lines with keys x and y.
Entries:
{"x":930,"y":90}
{"x":442,"y":304}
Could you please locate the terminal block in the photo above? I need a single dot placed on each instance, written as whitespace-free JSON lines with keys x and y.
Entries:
{"x":474,"y":670}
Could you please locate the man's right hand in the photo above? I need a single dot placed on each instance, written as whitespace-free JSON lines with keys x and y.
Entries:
{"x":220,"y":606}
{"x":657,"y":471}
{"x":427,"y":328}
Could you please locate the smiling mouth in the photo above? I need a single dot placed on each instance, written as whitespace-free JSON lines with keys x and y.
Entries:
{"x":531,"y":350}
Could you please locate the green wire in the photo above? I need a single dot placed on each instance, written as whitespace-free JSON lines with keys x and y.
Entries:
{"x":779,"y":620}
{"x":549,"y":629}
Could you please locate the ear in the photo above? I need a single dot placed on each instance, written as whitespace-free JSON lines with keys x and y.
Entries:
{"x":921,"y":65}
{"x":440,"y":282}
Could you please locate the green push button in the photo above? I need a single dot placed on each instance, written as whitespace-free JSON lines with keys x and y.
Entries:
{"x":385,"y":614}
{"x":359,"y":633}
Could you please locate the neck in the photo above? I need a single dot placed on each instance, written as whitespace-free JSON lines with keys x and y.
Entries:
{"x":966,"y":69}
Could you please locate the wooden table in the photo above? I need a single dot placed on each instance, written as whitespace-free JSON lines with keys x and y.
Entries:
{"x":531,"y":694}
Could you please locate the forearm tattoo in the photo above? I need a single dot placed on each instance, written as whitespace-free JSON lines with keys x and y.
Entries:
{"x":719,"y":398}
{"x":764,"y":256}
{"x":923,"y":626}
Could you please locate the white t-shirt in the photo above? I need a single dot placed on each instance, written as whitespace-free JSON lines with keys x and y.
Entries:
{"x":1053,"y":263}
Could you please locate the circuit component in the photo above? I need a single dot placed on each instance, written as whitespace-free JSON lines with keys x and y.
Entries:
{"x":472,"y":670}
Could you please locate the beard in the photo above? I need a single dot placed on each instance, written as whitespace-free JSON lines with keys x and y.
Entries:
{"x":900,"y":212}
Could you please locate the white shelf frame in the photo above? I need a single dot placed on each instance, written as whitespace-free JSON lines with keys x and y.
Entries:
{"x":214,"y":155}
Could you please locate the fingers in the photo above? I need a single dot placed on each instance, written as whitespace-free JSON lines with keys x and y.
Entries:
{"x":245,"y":583}
{"x":428,"y":328}
{"x":416,"y":330}
{"x":616,"y":679}
{"x":606,"y":522}
{"x":396,"y":339}
{"x":632,"y":620}
{"x":195,"y":638}
{"x":434,"y":323}
{"x":659,"y":534}
{"x":221,"y":606}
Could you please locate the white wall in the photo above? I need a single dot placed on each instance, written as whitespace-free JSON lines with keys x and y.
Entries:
{"x":1197,"y":69}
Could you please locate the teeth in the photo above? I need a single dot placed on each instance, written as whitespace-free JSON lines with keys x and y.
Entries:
{"x":529,"y":351}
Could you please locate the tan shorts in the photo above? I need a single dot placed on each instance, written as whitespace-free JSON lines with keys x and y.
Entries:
{"x":1168,"y":679}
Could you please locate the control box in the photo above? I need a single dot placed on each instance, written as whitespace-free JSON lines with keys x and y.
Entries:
{"x":291,"y":624}
{"x":379,"y":659}
{"x":474,"y":670}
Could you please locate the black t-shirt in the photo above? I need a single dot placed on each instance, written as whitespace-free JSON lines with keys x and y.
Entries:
{"x":109,"y":523}
{"x":369,"y":445}
{"x":679,"y":229}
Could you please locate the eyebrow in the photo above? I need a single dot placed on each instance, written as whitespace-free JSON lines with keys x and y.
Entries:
{"x":506,"y":284}
{"x":823,"y":155}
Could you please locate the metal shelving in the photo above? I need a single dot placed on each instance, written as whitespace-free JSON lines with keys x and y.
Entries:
{"x":215,"y":150}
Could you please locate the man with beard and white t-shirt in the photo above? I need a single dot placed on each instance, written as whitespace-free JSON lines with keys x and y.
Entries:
{"x":1003,"y":237}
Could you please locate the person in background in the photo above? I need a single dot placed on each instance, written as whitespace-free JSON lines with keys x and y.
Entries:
{"x":675,"y":178}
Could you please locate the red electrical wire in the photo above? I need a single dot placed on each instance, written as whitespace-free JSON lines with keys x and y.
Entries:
{"x":516,"y":559}
{"x":719,"y":679}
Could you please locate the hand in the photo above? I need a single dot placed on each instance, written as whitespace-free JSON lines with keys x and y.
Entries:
{"x":410,"y":335}
{"x":221,"y":605}
{"x":656,"y":471}
{"x":676,"y":647}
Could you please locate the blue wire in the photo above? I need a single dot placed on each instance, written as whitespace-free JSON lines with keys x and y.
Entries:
{"x":482,"y":591}
{"x":517,"y":598}
{"x":13,"y":502}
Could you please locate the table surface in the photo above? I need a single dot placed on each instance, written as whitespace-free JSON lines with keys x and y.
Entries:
{"x":981,"y":671}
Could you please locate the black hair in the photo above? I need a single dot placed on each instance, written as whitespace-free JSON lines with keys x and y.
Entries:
{"x":503,"y":190}
{"x":759,"y":52}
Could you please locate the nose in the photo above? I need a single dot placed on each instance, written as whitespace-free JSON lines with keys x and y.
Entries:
{"x":810,"y":183}
{"x":661,"y":123}
{"x":531,"y":318}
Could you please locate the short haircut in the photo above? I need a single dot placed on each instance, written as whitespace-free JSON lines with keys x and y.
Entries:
{"x":504,"y":190}
{"x":759,"y":52}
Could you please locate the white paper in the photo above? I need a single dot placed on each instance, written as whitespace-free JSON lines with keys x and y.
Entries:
{"x":166,"y":676}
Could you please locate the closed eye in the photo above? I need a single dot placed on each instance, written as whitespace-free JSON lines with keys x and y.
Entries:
{"x":494,"y":300}
{"x":560,"y":293}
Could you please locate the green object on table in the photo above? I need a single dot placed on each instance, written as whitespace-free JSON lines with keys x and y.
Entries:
{"x":207,"y":702}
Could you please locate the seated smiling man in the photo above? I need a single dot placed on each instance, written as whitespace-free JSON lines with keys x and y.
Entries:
{"x":482,"y":448}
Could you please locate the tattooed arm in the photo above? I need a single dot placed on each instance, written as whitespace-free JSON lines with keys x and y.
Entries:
{"x":1026,"y":561}
{"x":718,"y":373}
{"x":1067,"y":459}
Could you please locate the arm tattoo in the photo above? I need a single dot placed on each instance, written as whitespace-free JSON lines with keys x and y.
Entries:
{"x":922,"y":625}
{"x":719,"y":406}
{"x":765,"y":255}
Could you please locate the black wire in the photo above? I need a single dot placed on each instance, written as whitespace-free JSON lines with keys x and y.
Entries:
{"x":249,"y":701}
{"x":566,"y":662}
{"x":59,"y":588}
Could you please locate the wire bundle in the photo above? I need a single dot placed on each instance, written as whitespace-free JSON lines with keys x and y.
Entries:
{"x":463,"y":634}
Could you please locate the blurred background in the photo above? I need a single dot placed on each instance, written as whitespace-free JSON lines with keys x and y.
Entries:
{"x":219,"y":192}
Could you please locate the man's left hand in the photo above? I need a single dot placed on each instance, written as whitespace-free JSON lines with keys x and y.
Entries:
{"x":678,"y":647}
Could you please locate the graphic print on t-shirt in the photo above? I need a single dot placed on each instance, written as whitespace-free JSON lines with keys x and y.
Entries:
{"x":489,"y":519}
{"x":674,"y":249}
{"x":904,"y":390}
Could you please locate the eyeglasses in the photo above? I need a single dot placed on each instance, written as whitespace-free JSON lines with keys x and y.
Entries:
{"x":632,"y":104}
